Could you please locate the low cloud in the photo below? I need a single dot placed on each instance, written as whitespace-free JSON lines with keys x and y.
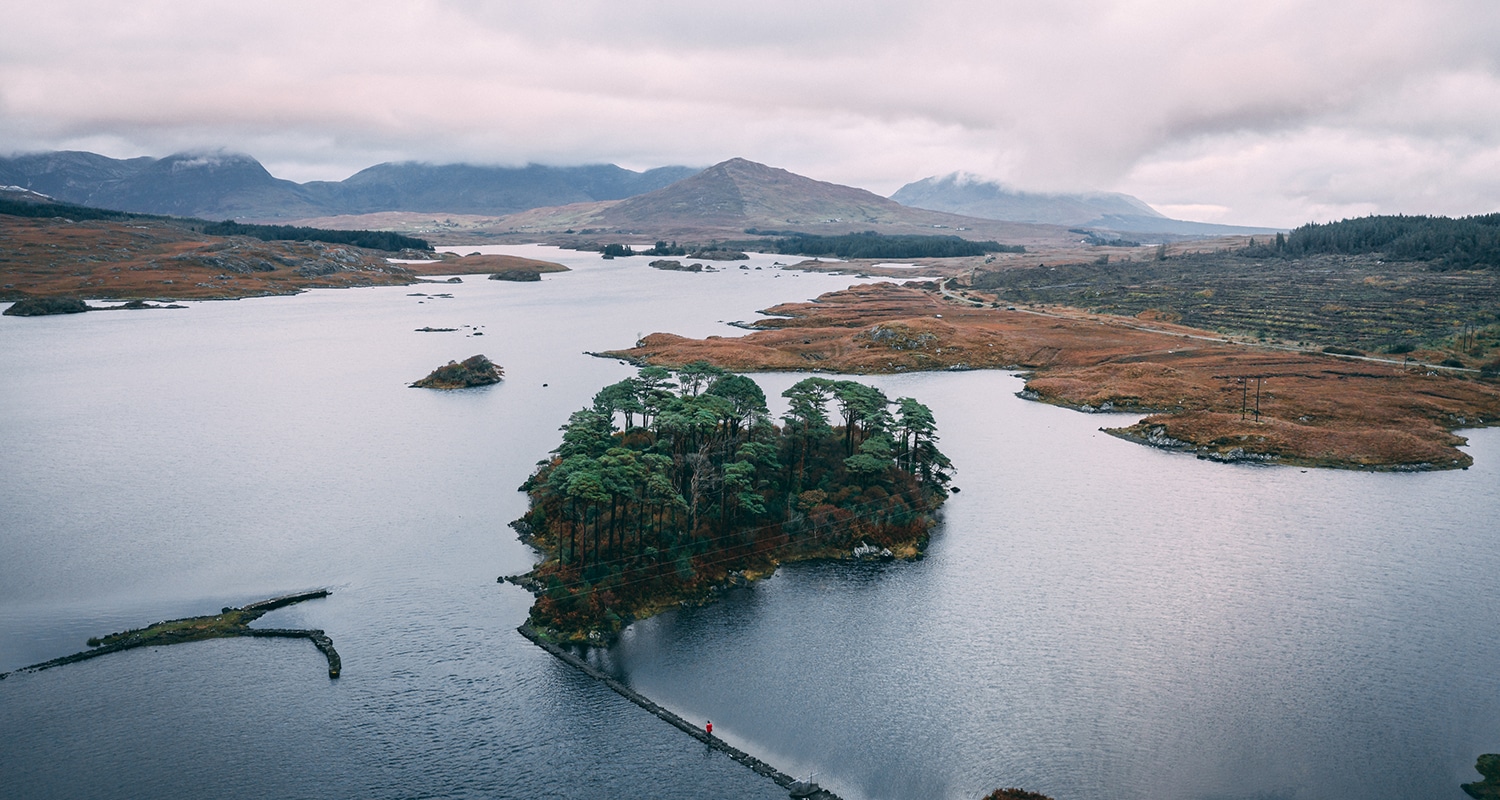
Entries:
{"x":1276,"y":112}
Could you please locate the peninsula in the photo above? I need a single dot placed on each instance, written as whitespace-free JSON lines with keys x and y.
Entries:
{"x":1313,"y":408}
{"x":229,"y":622}
{"x":55,"y":253}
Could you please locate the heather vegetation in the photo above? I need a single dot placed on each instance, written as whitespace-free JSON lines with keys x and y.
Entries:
{"x":676,"y":481}
{"x":1365,"y":303}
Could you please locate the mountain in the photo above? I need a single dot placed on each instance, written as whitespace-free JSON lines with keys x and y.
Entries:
{"x":962,"y":194}
{"x":231,"y":186}
{"x":741,"y":193}
{"x":1110,"y":211}
{"x":216,"y":186}
{"x":730,"y":197}
{"x":468,"y":189}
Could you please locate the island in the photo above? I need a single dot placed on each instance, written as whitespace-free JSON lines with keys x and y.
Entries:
{"x":475,"y":370}
{"x":47,"y":306}
{"x":673,"y":265}
{"x":676,"y":484}
{"x":517,"y":275}
{"x":481,"y":264}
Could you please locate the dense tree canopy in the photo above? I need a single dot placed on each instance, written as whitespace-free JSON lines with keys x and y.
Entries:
{"x":673,"y":478}
{"x":874,"y":245}
{"x":1447,"y":243}
{"x":375,"y":240}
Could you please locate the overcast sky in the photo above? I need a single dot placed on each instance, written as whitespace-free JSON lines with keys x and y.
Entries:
{"x":1269,"y":113}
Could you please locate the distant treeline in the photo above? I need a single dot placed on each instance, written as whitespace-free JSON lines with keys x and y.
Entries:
{"x":874,"y":245}
{"x":375,"y":240}
{"x":21,"y":208}
{"x":1444,"y":242}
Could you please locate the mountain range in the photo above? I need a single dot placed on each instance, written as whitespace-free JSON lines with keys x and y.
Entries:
{"x":232,"y":186}
{"x":724,"y":199}
{"x":958,"y":193}
{"x":730,"y":198}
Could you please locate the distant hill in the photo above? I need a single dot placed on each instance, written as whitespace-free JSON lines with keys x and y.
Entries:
{"x":214,"y":186}
{"x":963,"y":194}
{"x":740,"y":193}
{"x":230,"y":186}
{"x":1110,"y":211}
{"x":733,"y":196}
{"x":468,"y":189}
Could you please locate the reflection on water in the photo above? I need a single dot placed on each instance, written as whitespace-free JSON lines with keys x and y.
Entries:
{"x":1094,"y":619}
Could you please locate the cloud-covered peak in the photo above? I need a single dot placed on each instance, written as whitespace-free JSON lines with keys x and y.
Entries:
{"x":1277,"y":113}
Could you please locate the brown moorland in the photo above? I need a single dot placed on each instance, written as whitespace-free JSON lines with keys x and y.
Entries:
{"x":142,"y":259}
{"x":1314,"y":409}
{"x":56,"y":257}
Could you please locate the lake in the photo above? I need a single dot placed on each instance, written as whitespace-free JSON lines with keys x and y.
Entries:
{"x":1094,"y":619}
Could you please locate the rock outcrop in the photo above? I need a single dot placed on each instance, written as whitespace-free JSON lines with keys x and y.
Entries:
{"x":45,"y":306}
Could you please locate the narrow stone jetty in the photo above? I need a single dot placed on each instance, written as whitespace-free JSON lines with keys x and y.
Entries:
{"x":785,"y":781}
{"x":229,"y":622}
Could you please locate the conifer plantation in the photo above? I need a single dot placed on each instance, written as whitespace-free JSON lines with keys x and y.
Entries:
{"x":675,"y":482}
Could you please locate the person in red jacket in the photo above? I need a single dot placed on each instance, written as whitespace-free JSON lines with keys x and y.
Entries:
{"x":709,"y":727}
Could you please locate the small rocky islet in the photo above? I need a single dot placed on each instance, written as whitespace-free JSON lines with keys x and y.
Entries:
{"x":476,"y":370}
{"x":517,"y":276}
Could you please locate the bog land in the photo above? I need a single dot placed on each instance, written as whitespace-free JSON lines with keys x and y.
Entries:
{"x":1206,"y":393}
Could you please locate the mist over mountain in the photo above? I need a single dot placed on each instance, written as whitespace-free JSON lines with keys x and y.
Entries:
{"x":468,"y":189}
{"x":233,"y":186}
{"x":958,"y":193}
{"x":731,"y":197}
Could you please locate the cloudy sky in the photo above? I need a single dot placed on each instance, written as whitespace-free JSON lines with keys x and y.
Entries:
{"x":1275,"y":112}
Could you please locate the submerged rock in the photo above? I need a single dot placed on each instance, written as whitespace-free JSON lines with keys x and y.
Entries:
{"x":472,"y":371}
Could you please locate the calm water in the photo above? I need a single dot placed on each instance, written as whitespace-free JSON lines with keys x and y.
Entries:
{"x":1094,"y":620}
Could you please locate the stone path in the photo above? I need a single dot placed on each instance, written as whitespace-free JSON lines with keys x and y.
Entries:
{"x":780,"y":778}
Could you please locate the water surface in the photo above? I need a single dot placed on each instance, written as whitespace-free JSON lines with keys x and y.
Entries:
{"x":1095,"y":619}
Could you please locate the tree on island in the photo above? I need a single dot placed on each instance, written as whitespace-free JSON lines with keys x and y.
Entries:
{"x":674,"y":479}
